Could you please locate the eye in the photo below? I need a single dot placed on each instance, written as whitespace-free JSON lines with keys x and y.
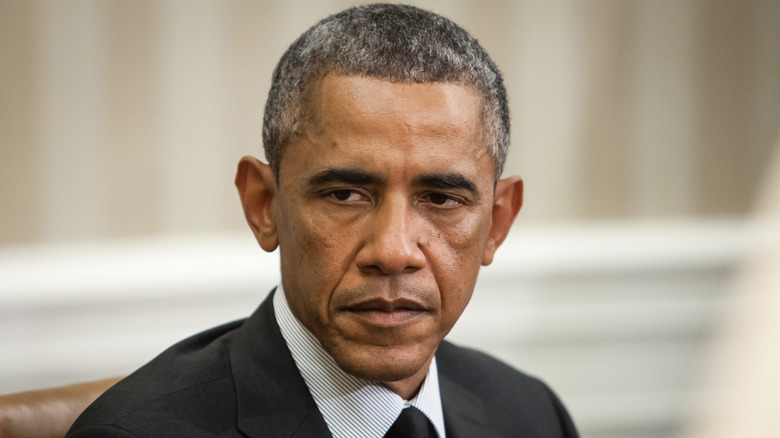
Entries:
{"x":342,"y":195}
{"x":441,"y":199}
{"x":438,"y":198}
{"x":347,"y":195}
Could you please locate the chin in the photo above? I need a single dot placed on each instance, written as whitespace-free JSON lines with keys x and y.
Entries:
{"x":383,"y":364}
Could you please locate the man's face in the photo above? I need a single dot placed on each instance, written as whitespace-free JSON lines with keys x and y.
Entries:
{"x":383,"y":217}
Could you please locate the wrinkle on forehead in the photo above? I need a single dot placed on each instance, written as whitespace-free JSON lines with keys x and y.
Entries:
{"x":443,"y":109}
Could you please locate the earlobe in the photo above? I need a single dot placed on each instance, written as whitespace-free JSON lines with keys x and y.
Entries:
{"x":257,"y":189}
{"x":507,"y":203}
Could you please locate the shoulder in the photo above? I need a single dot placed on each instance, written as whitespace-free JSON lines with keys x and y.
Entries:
{"x":475,"y":369}
{"x":171,"y":385}
{"x":509,"y":397}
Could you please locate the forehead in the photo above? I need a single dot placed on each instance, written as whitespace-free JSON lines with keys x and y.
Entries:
{"x":341,"y":96}
{"x":361,"y":92}
{"x":363,"y":116}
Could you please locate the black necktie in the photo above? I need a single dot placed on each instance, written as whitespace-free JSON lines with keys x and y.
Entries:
{"x":411,"y":424}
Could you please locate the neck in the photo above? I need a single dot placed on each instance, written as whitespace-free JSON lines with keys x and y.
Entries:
{"x":409,"y":387}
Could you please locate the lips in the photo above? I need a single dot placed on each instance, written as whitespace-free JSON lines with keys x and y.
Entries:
{"x":387,"y":313}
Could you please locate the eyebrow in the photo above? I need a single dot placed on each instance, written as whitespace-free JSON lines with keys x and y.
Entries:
{"x":447,"y":181}
{"x":361,"y":177}
{"x":343,"y":175}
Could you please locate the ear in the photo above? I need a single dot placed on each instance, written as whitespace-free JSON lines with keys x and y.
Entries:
{"x":506,"y":204}
{"x":257,"y":189}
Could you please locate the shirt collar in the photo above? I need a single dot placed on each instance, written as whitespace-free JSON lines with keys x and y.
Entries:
{"x":349,"y":405}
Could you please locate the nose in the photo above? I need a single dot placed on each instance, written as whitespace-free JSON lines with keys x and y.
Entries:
{"x":393,"y":240}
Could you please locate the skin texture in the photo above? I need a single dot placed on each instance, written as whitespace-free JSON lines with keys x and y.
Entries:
{"x":384,"y":211}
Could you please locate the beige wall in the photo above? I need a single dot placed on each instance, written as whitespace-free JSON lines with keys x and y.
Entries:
{"x":122,"y":118}
{"x":738,"y":390}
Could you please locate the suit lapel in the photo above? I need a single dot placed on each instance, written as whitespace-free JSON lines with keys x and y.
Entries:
{"x":464,"y":411}
{"x":272,"y":397}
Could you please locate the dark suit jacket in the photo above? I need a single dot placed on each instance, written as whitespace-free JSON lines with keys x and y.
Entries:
{"x":239,"y":379}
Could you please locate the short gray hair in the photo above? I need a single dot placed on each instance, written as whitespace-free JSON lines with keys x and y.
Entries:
{"x":384,"y":41}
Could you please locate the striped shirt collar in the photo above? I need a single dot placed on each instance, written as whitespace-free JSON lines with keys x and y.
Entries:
{"x":351,"y":406}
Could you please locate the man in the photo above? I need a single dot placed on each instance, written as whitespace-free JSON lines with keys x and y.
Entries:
{"x":385,"y":131}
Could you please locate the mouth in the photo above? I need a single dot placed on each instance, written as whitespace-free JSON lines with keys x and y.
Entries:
{"x":387,"y":313}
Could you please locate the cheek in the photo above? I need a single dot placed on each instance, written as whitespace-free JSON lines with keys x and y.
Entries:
{"x":310,"y":239}
{"x":314,"y":257}
{"x":458,"y":261}
{"x":465,"y":241}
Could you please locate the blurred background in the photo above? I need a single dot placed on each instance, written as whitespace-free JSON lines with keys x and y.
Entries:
{"x":644,"y":130}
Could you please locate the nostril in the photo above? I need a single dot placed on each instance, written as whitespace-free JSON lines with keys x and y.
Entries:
{"x":390,"y":259}
{"x":371,"y":269}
